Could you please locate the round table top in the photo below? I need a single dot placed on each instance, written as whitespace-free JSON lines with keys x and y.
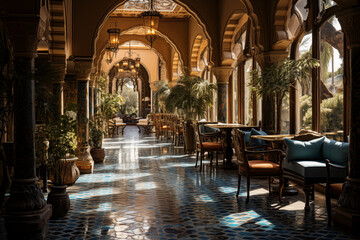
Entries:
{"x":226,"y":125}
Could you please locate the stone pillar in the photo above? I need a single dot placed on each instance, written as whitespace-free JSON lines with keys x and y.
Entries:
{"x":348,"y":211}
{"x":85,"y":162}
{"x":222,"y":75}
{"x":154,"y":88}
{"x":91,"y":96}
{"x":58,"y":91}
{"x":26,"y":212}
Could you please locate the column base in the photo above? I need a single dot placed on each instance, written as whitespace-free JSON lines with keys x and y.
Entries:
{"x":85,"y":163}
{"x":27,"y":225}
{"x":347,"y":218}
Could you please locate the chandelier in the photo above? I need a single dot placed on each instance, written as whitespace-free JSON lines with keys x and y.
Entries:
{"x":129,"y":64}
{"x":151,"y":22}
{"x":112,"y":42}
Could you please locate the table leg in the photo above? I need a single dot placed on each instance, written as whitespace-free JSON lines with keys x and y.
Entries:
{"x":228,"y":148}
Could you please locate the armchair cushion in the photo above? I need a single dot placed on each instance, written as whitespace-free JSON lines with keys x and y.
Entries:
{"x":262,"y":167}
{"x":304,"y":150}
{"x":256,"y":142}
{"x":336,"y":152}
{"x":312,"y":169}
{"x":247,"y":137}
{"x":206,"y":129}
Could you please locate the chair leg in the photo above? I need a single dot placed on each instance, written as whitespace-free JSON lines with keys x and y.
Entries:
{"x":201,"y":159}
{"x":239,"y":182}
{"x":328,"y":205}
{"x":217,"y":159}
{"x":312,"y":196}
{"x":281,"y":187}
{"x":269,"y":181}
{"x":307,"y":197}
{"x":247,"y":188}
{"x":197,"y":158}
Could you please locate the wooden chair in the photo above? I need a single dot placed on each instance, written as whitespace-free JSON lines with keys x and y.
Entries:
{"x":333,"y":187}
{"x":264,"y":167}
{"x":203,"y":146}
{"x":179,"y":132}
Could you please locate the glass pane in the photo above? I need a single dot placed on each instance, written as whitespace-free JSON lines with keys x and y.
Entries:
{"x":236,"y":95}
{"x":305,"y":99}
{"x":248,"y":99}
{"x":332,"y":90}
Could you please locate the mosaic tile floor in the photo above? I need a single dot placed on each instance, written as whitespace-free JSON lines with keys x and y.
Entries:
{"x":148,"y":189}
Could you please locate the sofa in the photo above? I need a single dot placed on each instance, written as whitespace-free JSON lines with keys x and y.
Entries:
{"x":305,"y":162}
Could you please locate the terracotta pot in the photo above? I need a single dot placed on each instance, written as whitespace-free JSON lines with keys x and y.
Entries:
{"x":98,"y":154}
{"x":69,"y":171}
{"x":189,"y":137}
{"x":60,"y":201}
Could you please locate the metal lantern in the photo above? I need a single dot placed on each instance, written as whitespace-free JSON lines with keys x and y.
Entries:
{"x":151,"y":23}
{"x":113,"y":38}
{"x":109,"y":55}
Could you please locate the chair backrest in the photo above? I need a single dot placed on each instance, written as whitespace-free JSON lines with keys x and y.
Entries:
{"x":195,"y":125}
{"x":239,"y":145}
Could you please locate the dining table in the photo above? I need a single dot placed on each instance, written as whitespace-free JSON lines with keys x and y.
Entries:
{"x":277,"y":142}
{"x":228,"y":127}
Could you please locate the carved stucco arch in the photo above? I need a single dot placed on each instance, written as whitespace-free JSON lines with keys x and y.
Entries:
{"x":111,"y":5}
{"x":124,"y":41}
{"x":195,"y":52}
{"x":235,"y":25}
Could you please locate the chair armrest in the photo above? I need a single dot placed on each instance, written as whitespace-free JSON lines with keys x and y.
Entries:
{"x":330,"y":165}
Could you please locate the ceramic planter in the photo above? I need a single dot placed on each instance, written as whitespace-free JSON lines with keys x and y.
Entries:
{"x":98,"y":154}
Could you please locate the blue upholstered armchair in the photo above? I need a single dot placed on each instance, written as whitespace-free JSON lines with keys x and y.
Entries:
{"x":305,"y":162}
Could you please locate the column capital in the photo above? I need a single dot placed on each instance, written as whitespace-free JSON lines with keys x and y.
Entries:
{"x":349,"y":20}
{"x":25,"y":31}
{"x":154,"y":86}
{"x":92,"y":82}
{"x":172,"y":84}
{"x":222,"y":73}
{"x":83,"y":67}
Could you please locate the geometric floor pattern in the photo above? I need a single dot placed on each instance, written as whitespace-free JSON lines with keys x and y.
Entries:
{"x":149,"y":189}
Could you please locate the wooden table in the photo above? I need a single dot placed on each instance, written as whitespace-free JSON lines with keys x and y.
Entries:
{"x":228,"y":127}
{"x":277,"y":142}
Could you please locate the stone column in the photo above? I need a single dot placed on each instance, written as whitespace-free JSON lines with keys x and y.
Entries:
{"x":85,"y":162}
{"x":58,"y":91}
{"x":154,"y":88}
{"x":348,"y":211}
{"x":26,"y":212}
{"x":91,"y":96}
{"x":222,"y":75}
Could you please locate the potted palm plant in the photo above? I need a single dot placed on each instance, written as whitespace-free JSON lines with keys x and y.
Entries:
{"x":96,"y":136}
{"x":277,"y":79}
{"x":61,"y":162}
{"x":191,"y":97}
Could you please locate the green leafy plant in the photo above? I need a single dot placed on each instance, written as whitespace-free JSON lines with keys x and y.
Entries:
{"x":191,"y":97}
{"x":61,"y":145}
{"x":161,"y":95}
{"x":277,"y":79}
{"x":97,"y":131}
{"x":110,"y":104}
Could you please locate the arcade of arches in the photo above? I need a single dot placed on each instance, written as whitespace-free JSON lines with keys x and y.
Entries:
{"x":220,"y":41}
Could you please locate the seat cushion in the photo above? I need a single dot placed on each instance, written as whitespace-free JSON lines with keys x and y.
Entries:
{"x":336,"y":152}
{"x":336,"y":188}
{"x":304,"y":150}
{"x":312,"y":169}
{"x":256,"y":142}
{"x":262,"y":168}
{"x":212,"y":146}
